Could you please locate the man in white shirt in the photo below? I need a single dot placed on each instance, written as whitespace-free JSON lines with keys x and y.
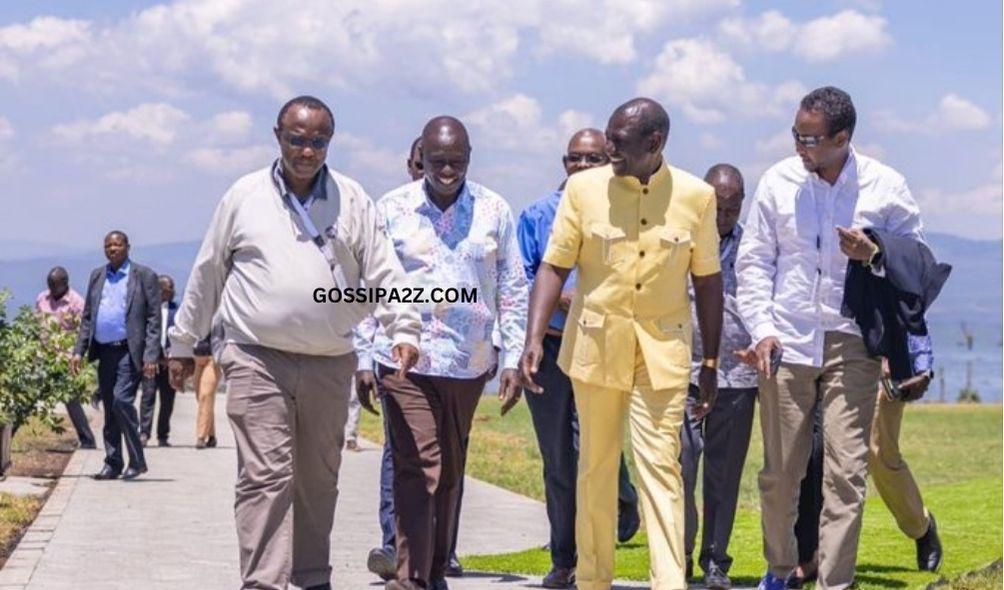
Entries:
{"x":803,"y":227}
{"x":278,"y":237}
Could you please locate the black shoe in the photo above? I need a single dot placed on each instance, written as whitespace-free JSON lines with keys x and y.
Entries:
{"x":797,"y":582}
{"x":716,"y":579}
{"x":134,"y":472}
{"x":163,"y":443}
{"x":324,"y":586}
{"x":88,"y":446}
{"x":382,"y":562}
{"x":143,"y":439}
{"x":628,"y":522}
{"x":211,"y":442}
{"x":107,"y":473}
{"x":559,"y":577}
{"x":453,"y":568}
{"x":929,"y":548}
{"x":438,"y":584}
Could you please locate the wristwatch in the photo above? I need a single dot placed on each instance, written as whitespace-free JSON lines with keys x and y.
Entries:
{"x":710,"y":363}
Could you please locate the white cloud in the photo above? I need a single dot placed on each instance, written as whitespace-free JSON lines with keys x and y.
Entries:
{"x":571,"y":121}
{"x":378,"y":168}
{"x":157,"y":123}
{"x":822,"y":39}
{"x":231,"y":162}
{"x":517,"y":124}
{"x":974,"y":213}
{"x":871,"y":149}
{"x":408,"y":46}
{"x":779,"y":145}
{"x":709,"y":141}
{"x":953,"y":113}
{"x":231,"y":125}
{"x":708,"y":85}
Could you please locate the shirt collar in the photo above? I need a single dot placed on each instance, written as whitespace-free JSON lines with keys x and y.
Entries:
{"x":848,"y":172}
{"x":122,"y":271}
{"x":658,"y":178}
{"x":464,"y":201}
{"x":319,"y":190}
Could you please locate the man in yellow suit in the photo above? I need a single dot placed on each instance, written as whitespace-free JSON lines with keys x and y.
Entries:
{"x":635,"y":230}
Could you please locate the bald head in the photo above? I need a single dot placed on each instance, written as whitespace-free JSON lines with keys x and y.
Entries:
{"x":585,"y":151}
{"x":729,"y":193}
{"x":446,"y":153}
{"x":636,"y":135}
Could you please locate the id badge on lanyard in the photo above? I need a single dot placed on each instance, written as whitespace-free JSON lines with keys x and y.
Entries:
{"x":319,"y":240}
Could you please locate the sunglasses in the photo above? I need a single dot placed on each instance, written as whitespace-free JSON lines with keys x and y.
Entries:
{"x":299,"y":141}
{"x":586,"y":158}
{"x":810,"y":141}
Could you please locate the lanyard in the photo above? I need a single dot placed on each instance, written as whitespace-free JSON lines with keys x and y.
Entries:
{"x":315,"y":236}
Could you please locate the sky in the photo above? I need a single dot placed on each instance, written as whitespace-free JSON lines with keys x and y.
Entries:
{"x":139,"y":115}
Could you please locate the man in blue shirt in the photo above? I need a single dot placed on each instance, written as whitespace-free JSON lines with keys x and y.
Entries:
{"x":120,"y":328}
{"x":554,"y":417}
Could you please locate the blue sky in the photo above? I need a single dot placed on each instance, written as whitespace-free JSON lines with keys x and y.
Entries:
{"x":138,"y":115}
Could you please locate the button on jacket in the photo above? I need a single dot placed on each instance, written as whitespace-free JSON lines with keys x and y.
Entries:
{"x":634,"y":246}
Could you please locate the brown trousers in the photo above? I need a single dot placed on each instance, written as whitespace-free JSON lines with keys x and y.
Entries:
{"x":890,"y":472}
{"x":429,"y":419}
{"x":287,"y":411}
{"x":845,"y":387}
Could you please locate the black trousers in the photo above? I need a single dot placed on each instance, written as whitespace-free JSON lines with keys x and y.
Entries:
{"x":118,"y":380}
{"x":723,"y":436}
{"x":160,"y":383}
{"x":79,"y":420}
{"x":810,"y":498}
{"x":556,"y":425}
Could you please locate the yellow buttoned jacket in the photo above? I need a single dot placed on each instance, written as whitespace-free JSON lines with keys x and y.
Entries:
{"x":634,"y":246}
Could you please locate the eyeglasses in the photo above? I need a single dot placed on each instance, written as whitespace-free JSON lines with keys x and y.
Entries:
{"x":586,"y":158}
{"x":809,"y":141}
{"x":299,"y":141}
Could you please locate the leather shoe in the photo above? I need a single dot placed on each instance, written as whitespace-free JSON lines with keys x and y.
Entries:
{"x":716,"y":579}
{"x":88,"y":446}
{"x":559,"y":577}
{"x":382,"y":562}
{"x":107,"y":473}
{"x":134,"y":472}
{"x":439,"y":584}
{"x":453,"y":568}
{"x":211,"y":442}
{"x":163,"y":443}
{"x":399,"y":585}
{"x":929,"y":548}
{"x":628,"y":522}
{"x":324,"y":586}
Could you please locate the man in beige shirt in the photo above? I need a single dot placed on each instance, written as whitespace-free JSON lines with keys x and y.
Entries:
{"x":279,"y":236}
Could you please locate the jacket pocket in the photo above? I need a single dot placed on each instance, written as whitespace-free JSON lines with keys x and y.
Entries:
{"x":589,"y":341}
{"x":610,"y":238}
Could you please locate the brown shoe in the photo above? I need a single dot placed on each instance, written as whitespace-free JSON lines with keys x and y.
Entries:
{"x":559,"y":577}
{"x":352,"y":445}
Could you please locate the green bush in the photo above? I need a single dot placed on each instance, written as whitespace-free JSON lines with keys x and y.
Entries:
{"x":35,"y":367}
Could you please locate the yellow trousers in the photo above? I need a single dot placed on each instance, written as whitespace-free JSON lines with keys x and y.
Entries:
{"x":655,"y":417}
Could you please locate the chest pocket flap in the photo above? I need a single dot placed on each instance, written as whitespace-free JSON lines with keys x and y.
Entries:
{"x":673,"y":237}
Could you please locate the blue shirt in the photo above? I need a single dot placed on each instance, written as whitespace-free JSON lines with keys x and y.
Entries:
{"x":921,"y":353}
{"x":533,"y":231}
{"x":110,"y":325}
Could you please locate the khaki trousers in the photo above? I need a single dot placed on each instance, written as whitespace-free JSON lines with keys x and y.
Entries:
{"x":287,"y":411}
{"x":890,"y":472}
{"x":655,"y":418}
{"x":845,"y":386}
{"x":207,"y":378}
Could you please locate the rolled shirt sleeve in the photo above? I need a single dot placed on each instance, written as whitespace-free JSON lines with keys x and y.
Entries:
{"x":529,"y":248}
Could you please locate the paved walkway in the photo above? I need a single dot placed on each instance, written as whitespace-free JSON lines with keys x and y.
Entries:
{"x":174,"y":528}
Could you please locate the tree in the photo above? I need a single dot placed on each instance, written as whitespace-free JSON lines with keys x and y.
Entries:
{"x":35,"y":368}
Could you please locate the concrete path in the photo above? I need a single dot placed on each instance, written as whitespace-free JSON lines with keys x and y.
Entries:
{"x":174,"y":527}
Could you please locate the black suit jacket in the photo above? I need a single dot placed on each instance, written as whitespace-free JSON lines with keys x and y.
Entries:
{"x":889,"y":308}
{"x":142,"y":315}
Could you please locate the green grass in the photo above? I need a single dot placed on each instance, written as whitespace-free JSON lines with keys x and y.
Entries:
{"x":955,"y":453}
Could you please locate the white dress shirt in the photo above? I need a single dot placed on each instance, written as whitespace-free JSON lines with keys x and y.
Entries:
{"x":790,"y":268}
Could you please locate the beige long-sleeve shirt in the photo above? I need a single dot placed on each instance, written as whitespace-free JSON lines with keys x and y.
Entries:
{"x":257,"y":271}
